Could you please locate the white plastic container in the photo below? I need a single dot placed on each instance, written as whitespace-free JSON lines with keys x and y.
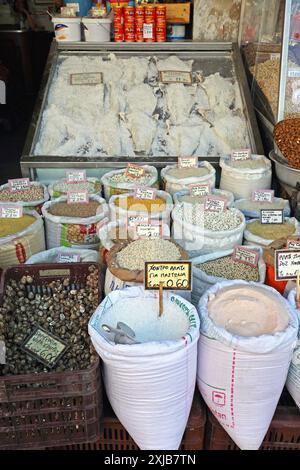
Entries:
{"x":67,"y":29}
{"x":96,"y":29}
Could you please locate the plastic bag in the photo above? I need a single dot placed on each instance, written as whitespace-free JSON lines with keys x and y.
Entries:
{"x":215,"y":192}
{"x":173,"y":184}
{"x":112,"y":189}
{"x":150,"y":385}
{"x":293,"y":379}
{"x":241,"y":378}
{"x":51,"y":256}
{"x":251,"y":239}
{"x":255,"y":214}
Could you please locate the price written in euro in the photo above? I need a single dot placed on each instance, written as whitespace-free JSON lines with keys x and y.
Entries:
{"x":263,"y":195}
{"x":175,"y":275}
{"x":287,"y":264}
{"x":11,"y":212}
{"x":243,"y":154}
{"x":152,"y":229}
{"x":78,"y":197}
{"x":199,"y":189}
{"x":93,"y":78}
{"x":245,"y":255}
{"x":176,"y":76}
{"x":76,"y":176}
{"x":19,"y":184}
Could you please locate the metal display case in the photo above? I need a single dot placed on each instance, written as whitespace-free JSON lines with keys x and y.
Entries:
{"x":224,"y":58}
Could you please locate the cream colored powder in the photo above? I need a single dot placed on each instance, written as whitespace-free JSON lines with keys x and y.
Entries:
{"x":248,"y":311}
{"x":187,"y":172}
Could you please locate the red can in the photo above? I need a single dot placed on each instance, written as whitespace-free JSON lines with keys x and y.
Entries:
{"x":139,"y":31}
{"x":161,"y":33}
{"x":118,"y":12}
{"x":129,"y":32}
{"x":160,"y":11}
{"x":139,"y":12}
{"x":118,"y":23}
{"x":149,"y":13}
{"x":129,"y":14}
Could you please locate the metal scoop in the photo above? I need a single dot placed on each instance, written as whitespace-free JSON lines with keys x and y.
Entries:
{"x":123,"y":333}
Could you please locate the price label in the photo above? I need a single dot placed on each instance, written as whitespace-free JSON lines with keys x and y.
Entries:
{"x":76,"y":176}
{"x":148,"y":31}
{"x":215,"y":204}
{"x":271,"y":216}
{"x":44,"y":346}
{"x":94,"y":78}
{"x":78,"y":197}
{"x":176,"y":76}
{"x":134,"y":171}
{"x":152,"y":229}
{"x":175,"y":275}
{"x":187,"y":162}
{"x":19,"y":184}
{"x":245,"y":255}
{"x":294,"y":73}
{"x":145,"y":193}
{"x":293,"y":243}
{"x":11,"y":212}
{"x":287,"y":264}
{"x":133,"y":220}
{"x":243,"y":154}
{"x":68,"y":258}
{"x":199,"y":189}
{"x":275,"y":56}
{"x":263,"y":195}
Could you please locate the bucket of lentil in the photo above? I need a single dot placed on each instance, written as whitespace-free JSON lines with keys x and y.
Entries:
{"x":32,"y":198}
{"x":293,"y":379}
{"x":242,"y":177}
{"x":260,"y":234}
{"x":185,"y":197}
{"x":201,"y":232}
{"x":61,"y":187}
{"x":126,"y":261}
{"x":176,"y":179}
{"x":220,"y":266}
{"x":150,"y":385}
{"x":21,"y":238}
{"x":117,"y":182}
{"x":124,"y":205}
{"x":251,"y":209}
{"x":51,"y":256}
{"x":74,"y":225}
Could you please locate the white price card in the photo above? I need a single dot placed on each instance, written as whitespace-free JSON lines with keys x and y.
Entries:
{"x":11,"y":211}
{"x":91,"y":78}
{"x":176,"y":76}
{"x":134,"y":171}
{"x":69,"y":258}
{"x":245,"y":255}
{"x":271,"y":216}
{"x":242,"y":154}
{"x":148,"y":31}
{"x":145,"y":193}
{"x":263,"y":195}
{"x":199,"y":189}
{"x":294,"y":73}
{"x":153,"y":229}
{"x":19,"y":184}
{"x":215,"y":204}
{"x":187,"y":162}
{"x":287,"y":264}
{"x":76,"y":176}
{"x":293,"y":243}
{"x":133,"y":220}
{"x":78,"y":197}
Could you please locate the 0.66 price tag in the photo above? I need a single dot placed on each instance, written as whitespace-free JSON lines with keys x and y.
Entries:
{"x":11,"y":212}
{"x":174,"y":275}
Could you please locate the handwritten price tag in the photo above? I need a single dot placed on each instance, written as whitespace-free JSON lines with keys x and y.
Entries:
{"x":44,"y":346}
{"x":145,"y":193}
{"x":199,"y":189}
{"x":245,"y":255}
{"x":133,"y":220}
{"x":176,"y":76}
{"x":148,"y":31}
{"x":78,"y":197}
{"x":11,"y":212}
{"x":271,"y":216}
{"x":19,"y":184}
{"x":68,"y":258}
{"x":76,"y":176}
{"x":86,"y":78}
{"x":263,"y":195}
{"x":293,"y":243}
{"x":243,"y":154}
{"x":175,"y":275}
{"x":215,"y":204}
{"x":149,"y":230}
{"x":287,"y":264}
{"x":187,"y":162}
{"x":134,"y":171}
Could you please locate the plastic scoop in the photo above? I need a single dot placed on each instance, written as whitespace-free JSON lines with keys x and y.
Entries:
{"x":123,"y":333}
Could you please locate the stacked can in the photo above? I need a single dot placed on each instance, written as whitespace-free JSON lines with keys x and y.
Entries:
{"x":129,"y":24}
{"x":118,"y":23}
{"x":149,"y":23}
{"x":160,"y":21}
{"x":139,"y":23}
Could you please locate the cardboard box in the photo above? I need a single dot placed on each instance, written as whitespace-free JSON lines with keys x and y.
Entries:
{"x":178,"y":13}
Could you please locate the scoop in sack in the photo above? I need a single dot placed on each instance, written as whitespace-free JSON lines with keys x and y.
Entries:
{"x":123,"y":334}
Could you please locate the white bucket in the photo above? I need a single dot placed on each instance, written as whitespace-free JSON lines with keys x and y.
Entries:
{"x":67,"y":29}
{"x":96,"y":29}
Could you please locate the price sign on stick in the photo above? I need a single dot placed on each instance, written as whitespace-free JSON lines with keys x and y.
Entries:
{"x":175,"y":275}
{"x":287,"y":264}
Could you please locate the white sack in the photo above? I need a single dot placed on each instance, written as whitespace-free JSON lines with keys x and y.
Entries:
{"x":293,"y":379}
{"x":51,"y":256}
{"x":173,"y":184}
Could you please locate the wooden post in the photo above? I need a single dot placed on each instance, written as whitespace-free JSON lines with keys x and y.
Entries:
{"x":298,"y":290}
{"x":161,"y":298}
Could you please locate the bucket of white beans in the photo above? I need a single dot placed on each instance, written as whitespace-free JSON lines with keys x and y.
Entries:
{"x":150,"y":383}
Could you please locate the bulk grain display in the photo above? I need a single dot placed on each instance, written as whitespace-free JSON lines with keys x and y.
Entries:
{"x":33,"y":197}
{"x":176,"y":179}
{"x":186,"y":196}
{"x":257,"y":233}
{"x":62,"y":187}
{"x":251,"y":209}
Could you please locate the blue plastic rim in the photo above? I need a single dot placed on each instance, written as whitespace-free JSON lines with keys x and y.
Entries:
{"x":84,"y":6}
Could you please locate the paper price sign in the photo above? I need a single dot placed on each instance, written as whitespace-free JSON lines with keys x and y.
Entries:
{"x":245,"y":255}
{"x":187,"y":162}
{"x":287,"y":264}
{"x":76,"y":176}
{"x":11,"y":212}
{"x":176,"y":76}
{"x":148,"y":230}
{"x":243,"y":154}
{"x":78,"y":197}
{"x":145,"y":193}
{"x":69,"y":258}
{"x":86,"y":78}
{"x":19,"y":184}
{"x":134,"y":171}
{"x":148,"y":31}
{"x":271,"y":216}
{"x":44,"y":346}
{"x":293,"y":243}
{"x":133,"y":220}
{"x":175,"y":275}
{"x":263,"y":195}
{"x":199,"y":189}
{"x":215,"y":204}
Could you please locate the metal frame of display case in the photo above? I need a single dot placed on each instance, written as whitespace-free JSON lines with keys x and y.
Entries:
{"x":31,"y":163}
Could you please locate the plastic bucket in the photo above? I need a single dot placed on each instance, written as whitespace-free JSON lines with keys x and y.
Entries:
{"x":83,"y":6}
{"x":67,"y":29}
{"x":96,"y":29}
